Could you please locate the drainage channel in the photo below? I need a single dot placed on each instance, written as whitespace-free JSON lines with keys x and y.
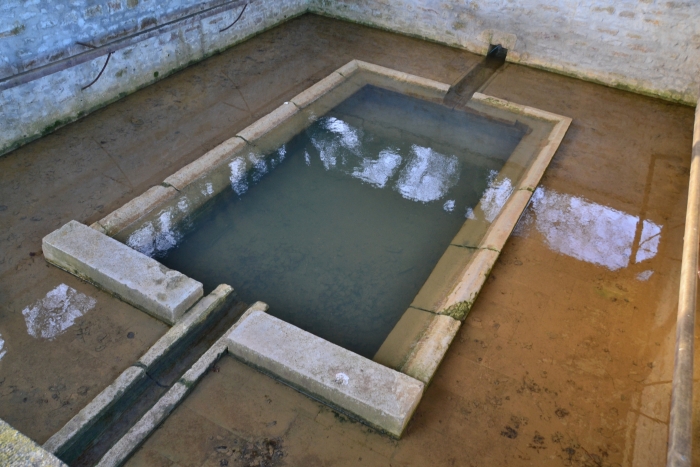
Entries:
{"x":461,"y":92}
{"x":87,"y":448}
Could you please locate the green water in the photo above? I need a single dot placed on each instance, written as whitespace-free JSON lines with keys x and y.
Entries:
{"x":339,"y":228}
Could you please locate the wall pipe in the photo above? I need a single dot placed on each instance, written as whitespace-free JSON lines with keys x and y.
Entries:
{"x":111,"y":47}
{"x":680,"y":429}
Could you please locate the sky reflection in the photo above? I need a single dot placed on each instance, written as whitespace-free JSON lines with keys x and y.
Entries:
{"x":592,"y":232}
{"x":53,"y":314}
{"x":428,"y":175}
{"x":424,"y":175}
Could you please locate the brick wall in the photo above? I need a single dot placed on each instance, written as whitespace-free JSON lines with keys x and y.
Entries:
{"x":36,"y":32}
{"x":647,"y":46}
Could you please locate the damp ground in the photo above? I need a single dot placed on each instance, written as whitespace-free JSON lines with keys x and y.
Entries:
{"x":565,"y":359}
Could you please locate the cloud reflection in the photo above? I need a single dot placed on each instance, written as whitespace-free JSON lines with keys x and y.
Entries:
{"x":53,"y":314}
{"x":378,"y":172}
{"x":495,"y":196}
{"x":156,"y":237}
{"x":428,"y":175}
{"x":592,"y":232}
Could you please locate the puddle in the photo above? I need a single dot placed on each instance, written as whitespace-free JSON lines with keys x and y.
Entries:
{"x":52,"y":315}
{"x":3,"y":351}
{"x":592,"y":232}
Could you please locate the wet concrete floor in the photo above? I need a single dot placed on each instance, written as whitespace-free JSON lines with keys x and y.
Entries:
{"x":565,"y":359}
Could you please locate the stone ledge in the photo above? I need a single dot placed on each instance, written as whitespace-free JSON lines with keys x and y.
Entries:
{"x":18,"y":450}
{"x":138,"y":434}
{"x":268,"y":122}
{"x":310,"y":95}
{"x":84,"y":419}
{"x":429,"y":351}
{"x":128,"y":443}
{"x":206,"y":163}
{"x":128,"y":274}
{"x":377,"y":395}
{"x":197,"y":315}
{"x":138,"y":207}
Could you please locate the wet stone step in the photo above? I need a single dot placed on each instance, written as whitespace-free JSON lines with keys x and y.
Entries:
{"x":350,"y":383}
{"x":130,"y":275}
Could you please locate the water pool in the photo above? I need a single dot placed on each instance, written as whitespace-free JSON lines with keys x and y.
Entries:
{"x":338,"y":229}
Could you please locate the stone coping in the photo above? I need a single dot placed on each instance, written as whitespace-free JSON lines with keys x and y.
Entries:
{"x":122,"y":271}
{"x":375,"y":394}
{"x":138,"y":434}
{"x":18,"y":450}
{"x":127,"y":381}
{"x":420,"y":340}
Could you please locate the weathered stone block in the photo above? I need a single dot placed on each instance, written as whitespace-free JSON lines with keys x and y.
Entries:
{"x":117,"y":220}
{"x":17,"y":449}
{"x":431,"y":348}
{"x":113,"y":266}
{"x":86,"y":418}
{"x":377,"y":395}
{"x":207,"y":162}
{"x":268,"y":122}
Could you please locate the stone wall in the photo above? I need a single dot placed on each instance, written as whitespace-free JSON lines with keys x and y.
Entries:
{"x":38,"y":32}
{"x":647,"y":46}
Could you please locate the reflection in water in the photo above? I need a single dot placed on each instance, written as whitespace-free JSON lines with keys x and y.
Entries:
{"x":156,"y":237}
{"x":53,"y":314}
{"x":428,"y":175}
{"x":592,"y":232}
{"x":238,"y":176}
{"x":649,"y":243}
{"x":495,"y":197}
{"x":644,"y":275}
{"x":2,"y":348}
{"x":378,"y":172}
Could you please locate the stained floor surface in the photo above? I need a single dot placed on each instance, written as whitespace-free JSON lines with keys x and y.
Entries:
{"x":565,"y":359}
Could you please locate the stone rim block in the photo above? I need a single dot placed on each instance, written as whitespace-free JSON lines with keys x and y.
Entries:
{"x":377,"y":395}
{"x":122,"y":271}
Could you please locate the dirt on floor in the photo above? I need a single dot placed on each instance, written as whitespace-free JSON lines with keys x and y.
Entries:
{"x":565,"y":359}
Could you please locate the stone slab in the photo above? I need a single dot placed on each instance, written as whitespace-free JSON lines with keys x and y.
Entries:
{"x":85,"y":419}
{"x":18,"y":450}
{"x":206,"y":163}
{"x":431,"y":348}
{"x":133,"y":438}
{"x":311,"y":94}
{"x":268,"y":122}
{"x":436,"y":87}
{"x":348,"y":69}
{"x":400,"y":342}
{"x":138,"y":207}
{"x":505,"y":222}
{"x":444,"y":277}
{"x":459,"y":301}
{"x":375,"y":394}
{"x":136,"y":436}
{"x":197,"y":315}
{"x":128,"y":274}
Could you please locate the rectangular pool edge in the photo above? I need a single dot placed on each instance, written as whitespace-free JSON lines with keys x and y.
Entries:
{"x":377,"y":395}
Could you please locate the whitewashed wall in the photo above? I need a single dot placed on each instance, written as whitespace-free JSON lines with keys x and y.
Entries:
{"x":647,"y":46}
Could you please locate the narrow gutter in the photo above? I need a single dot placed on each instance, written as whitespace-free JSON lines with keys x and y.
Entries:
{"x":680,"y":430}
